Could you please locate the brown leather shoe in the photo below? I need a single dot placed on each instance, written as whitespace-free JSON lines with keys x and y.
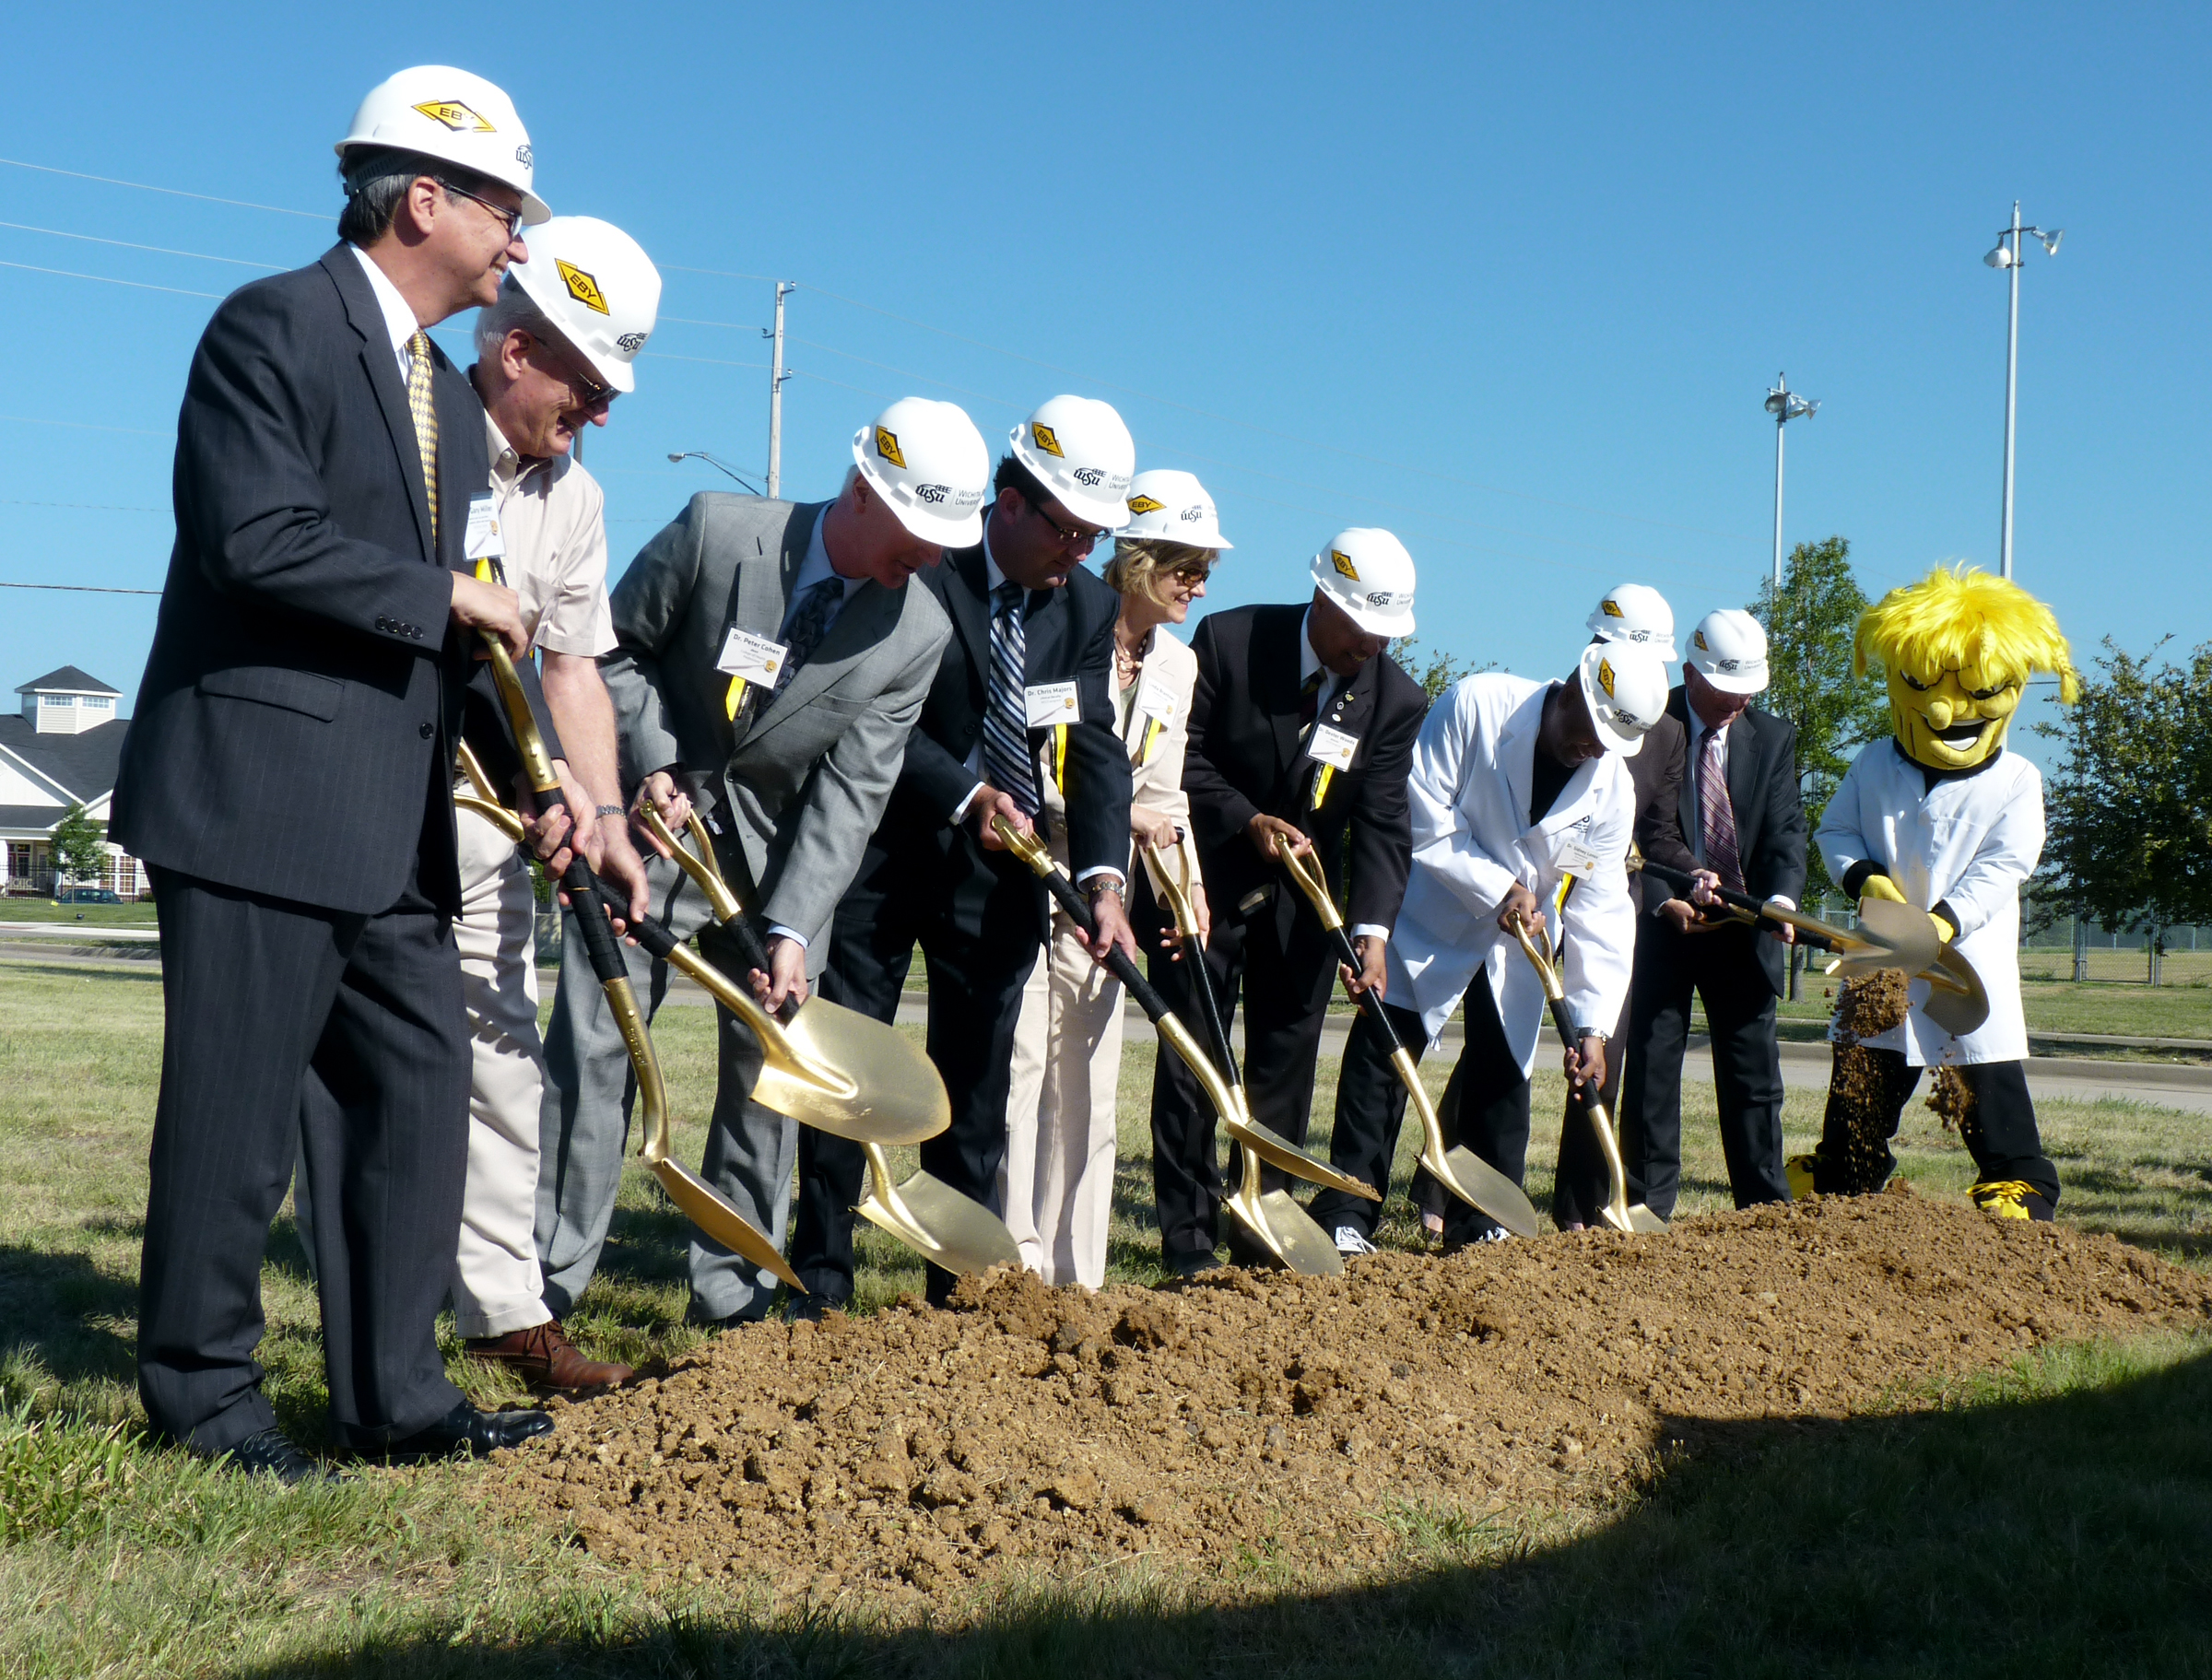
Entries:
{"x":545,"y":1357}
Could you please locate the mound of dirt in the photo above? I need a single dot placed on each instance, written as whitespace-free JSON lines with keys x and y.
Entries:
{"x":1872,"y":1004}
{"x":904,"y":1454}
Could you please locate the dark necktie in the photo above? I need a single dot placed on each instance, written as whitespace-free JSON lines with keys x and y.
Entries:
{"x":1006,"y":713}
{"x":809,"y":622}
{"x":1716,"y":816}
{"x":1309,"y":700}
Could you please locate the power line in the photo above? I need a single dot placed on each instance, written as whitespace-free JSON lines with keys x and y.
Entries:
{"x":32,"y":420}
{"x":89,"y":507}
{"x":241,"y":204}
{"x":682,"y":320}
{"x":79,"y":589}
{"x":127,"y":245}
{"x":70,"y":273}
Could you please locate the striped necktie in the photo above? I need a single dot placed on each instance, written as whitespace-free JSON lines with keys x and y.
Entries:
{"x":809,"y":622}
{"x":424,"y":407}
{"x":1716,"y":816}
{"x":1006,"y":714}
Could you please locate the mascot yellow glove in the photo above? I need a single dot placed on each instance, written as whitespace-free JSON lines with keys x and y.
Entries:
{"x":1880,"y":886}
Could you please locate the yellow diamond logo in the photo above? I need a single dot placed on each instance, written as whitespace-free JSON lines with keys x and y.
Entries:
{"x":1605,"y":675}
{"x":582,"y":286}
{"x":1700,"y":640}
{"x":1042,"y":435}
{"x":1144,"y":504}
{"x":1343,"y":562}
{"x":886,"y":445}
{"x":1610,"y":608}
{"x":456,"y":116}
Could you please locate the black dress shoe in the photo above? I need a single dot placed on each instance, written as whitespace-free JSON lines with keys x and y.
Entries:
{"x":808,"y":1308}
{"x":271,"y":1452}
{"x":465,"y":1429}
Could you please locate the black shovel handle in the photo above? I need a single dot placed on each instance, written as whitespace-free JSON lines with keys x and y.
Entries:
{"x":1681,"y":883}
{"x":1117,"y":961}
{"x":1369,"y":1004}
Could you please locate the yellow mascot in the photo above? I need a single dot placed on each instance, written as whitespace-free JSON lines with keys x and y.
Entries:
{"x":1942,"y":818}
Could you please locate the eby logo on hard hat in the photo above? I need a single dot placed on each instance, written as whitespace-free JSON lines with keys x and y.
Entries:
{"x":581,"y":285}
{"x":886,"y":445}
{"x":456,"y":116}
{"x":1698,"y":641}
{"x":1343,"y":562}
{"x":1144,"y":504}
{"x":1605,"y":675}
{"x":1610,"y":607}
{"x":1043,"y":437}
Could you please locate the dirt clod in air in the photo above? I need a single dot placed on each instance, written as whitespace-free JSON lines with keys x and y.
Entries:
{"x":1953,"y":1099}
{"x":902,"y":1458}
{"x":1871,"y":1004}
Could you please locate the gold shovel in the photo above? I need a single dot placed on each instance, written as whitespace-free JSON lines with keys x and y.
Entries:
{"x":844,"y":1073}
{"x":1459,"y":1170}
{"x":1617,"y":1212}
{"x":1285,"y":1229}
{"x":698,"y":1200}
{"x":1270,"y":1145}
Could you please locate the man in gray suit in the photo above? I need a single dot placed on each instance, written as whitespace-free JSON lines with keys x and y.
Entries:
{"x":771,"y":663}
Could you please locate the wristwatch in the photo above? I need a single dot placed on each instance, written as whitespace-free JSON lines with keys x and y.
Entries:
{"x":602,"y":811}
{"x":1099,"y":883}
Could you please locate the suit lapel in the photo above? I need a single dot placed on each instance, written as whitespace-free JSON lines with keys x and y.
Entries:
{"x":1685,"y":802}
{"x":1743,"y":772}
{"x":867,"y":616}
{"x":382,"y":370}
{"x":963,"y":592}
{"x":460,"y":418}
{"x":1275,"y":682}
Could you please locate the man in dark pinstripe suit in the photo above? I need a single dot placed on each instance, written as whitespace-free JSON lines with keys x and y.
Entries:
{"x":287,"y":778}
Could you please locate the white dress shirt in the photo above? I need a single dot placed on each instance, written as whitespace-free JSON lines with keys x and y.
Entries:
{"x":399,"y":314}
{"x":553,"y":522}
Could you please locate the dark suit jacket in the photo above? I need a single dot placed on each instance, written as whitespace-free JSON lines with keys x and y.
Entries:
{"x":303,"y":693}
{"x":1244,"y":760}
{"x":1067,"y":636}
{"x":1769,"y":818}
{"x":1657,"y":775}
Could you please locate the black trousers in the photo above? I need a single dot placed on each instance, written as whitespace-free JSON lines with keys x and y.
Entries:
{"x":1486,"y":1106}
{"x":1580,"y":1186}
{"x":979,"y":921}
{"x":1722,"y":968}
{"x":1998,"y":1128}
{"x":262,"y":995}
{"x":1370,"y":1108}
{"x":1284,"y":984}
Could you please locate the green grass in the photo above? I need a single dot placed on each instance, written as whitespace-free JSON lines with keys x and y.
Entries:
{"x":2051,"y":1520}
{"x":91,"y":915}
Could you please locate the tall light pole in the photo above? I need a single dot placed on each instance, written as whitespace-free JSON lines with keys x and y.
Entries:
{"x":777,"y":374}
{"x":1786,"y":405}
{"x":2008,"y":255}
{"x":714,"y":460}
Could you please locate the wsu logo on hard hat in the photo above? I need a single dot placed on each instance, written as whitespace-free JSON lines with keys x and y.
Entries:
{"x":886,"y":445}
{"x":1343,"y":562}
{"x":581,"y":285}
{"x":454,"y":115}
{"x":1144,"y":504}
{"x":632,"y":342}
{"x":1043,"y":437}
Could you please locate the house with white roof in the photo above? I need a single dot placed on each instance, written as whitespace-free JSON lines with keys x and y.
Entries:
{"x":62,"y":749}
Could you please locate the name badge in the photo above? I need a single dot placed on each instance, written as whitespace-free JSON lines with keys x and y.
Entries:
{"x":1156,"y":697}
{"x":755,"y":658}
{"x":1049,"y":703}
{"x":484,"y":540}
{"x":1332,"y":747}
{"x":1576,"y":859}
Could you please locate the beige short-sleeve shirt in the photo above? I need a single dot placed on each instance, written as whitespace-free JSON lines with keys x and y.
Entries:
{"x":553,"y":518}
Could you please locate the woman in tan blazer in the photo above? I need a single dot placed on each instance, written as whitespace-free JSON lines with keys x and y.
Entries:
{"x":1056,"y":1188}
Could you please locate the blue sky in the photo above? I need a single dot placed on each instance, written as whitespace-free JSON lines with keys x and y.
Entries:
{"x":1511,"y":282}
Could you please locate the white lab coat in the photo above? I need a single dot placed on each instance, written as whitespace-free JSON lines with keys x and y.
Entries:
{"x":1473,"y":766}
{"x":1970,"y":841}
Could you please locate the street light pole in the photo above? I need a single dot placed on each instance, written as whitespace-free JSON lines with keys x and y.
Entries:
{"x":776,"y":376}
{"x":713,"y":461}
{"x":2008,"y":255}
{"x":1786,"y":405}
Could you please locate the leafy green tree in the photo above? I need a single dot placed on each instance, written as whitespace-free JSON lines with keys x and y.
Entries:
{"x":2130,"y":803}
{"x":79,"y":847}
{"x":1810,"y":622}
{"x":1439,"y":673}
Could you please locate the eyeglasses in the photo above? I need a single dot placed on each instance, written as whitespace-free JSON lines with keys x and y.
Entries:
{"x":1074,"y":537}
{"x":1194,"y":575}
{"x":589,"y":393}
{"x":511,"y":220}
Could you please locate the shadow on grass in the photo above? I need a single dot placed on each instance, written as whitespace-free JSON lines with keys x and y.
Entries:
{"x":77,"y":1321}
{"x":2058,"y":1524}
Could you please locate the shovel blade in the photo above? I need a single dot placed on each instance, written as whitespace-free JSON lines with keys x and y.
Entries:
{"x":857,"y":1078}
{"x":1288,"y":1232}
{"x":943,"y":1225}
{"x":1957,"y":1011}
{"x":1276,"y":1150}
{"x":1482,"y":1187}
{"x":1638,"y":1219}
{"x":720,"y":1221}
{"x":1902,"y":937}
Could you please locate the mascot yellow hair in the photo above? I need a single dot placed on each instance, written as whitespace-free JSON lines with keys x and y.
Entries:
{"x":1956,"y":648}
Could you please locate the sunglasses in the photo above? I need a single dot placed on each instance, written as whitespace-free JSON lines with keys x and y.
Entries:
{"x":589,"y":393}
{"x":511,"y":220}
{"x":1077,"y":539}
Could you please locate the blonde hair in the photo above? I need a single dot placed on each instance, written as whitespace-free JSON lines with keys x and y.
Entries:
{"x":1138,"y":560}
{"x":1963,"y":616}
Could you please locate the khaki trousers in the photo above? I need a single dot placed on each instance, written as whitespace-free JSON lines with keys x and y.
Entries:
{"x":497,"y":1284}
{"x":1055,"y":1186}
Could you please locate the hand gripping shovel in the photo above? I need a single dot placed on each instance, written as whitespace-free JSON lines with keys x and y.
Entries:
{"x":1270,"y":1145}
{"x":1616,"y":1211}
{"x":1888,"y":936}
{"x":1459,"y":1170}
{"x":686,"y":1189}
{"x":1285,"y":1229}
{"x":847,"y":1074}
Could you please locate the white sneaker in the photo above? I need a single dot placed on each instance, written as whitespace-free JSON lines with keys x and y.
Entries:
{"x":1497,"y":1233}
{"x":1349,"y":1241}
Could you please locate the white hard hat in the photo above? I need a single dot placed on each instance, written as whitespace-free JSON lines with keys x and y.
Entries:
{"x":1624,"y":684}
{"x":1368,"y":572}
{"x":1636,"y":611}
{"x":1172,"y":507}
{"x":928,"y":462}
{"x":451,"y":115}
{"x":1728,"y":649}
{"x":1078,"y":449}
{"x":595,"y":284}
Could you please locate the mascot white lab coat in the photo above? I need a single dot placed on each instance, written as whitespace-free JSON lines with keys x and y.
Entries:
{"x":1473,"y":766}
